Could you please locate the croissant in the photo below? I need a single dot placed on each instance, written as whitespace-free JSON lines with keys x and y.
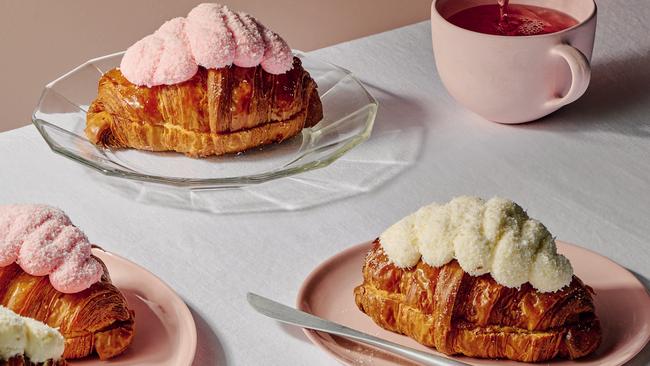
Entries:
{"x":96,"y":319}
{"x":457,"y":313}
{"x":216,"y":112}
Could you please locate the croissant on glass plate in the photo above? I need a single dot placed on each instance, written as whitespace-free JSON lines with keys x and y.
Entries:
{"x":214,"y":82}
{"x":216,"y":112}
{"x":457,"y":313}
{"x":94,"y":320}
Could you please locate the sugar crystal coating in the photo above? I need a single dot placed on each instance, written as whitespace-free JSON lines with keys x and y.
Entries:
{"x":494,"y":236}
{"x":211,"y":36}
{"x":42,"y":241}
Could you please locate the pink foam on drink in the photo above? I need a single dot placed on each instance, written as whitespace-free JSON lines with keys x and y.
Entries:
{"x":212,"y":36}
{"x":43,"y":241}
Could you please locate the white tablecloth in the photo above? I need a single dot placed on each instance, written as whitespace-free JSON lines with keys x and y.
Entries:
{"x":584,"y":171}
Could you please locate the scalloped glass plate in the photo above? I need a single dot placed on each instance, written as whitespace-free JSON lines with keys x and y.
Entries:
{"x":348,"y":116}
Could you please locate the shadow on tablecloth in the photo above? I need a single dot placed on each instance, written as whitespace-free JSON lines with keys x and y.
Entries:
{"x":209,"y":350}
{"x":643,"y":358}
{"x":617,"y":100}
{"x":395,"y":145}
{"x":294,"y":332}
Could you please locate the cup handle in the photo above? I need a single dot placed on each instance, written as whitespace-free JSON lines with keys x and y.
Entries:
{"x":580,"y":74}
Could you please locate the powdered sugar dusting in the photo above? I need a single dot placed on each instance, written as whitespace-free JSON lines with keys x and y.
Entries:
{"x":211,"y":36}
{"x":42,"y":240}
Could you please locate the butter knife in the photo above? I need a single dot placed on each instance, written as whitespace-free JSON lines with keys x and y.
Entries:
{"x":293,"y":316}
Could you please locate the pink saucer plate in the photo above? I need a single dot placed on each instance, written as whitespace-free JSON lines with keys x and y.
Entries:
{"x":622,"y":304}
{"x":165,"y":333}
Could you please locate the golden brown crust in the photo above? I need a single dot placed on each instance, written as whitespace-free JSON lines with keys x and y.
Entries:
{"x":218,"y":111}
{"x":454,"y":312}
{"x":96,"y":319}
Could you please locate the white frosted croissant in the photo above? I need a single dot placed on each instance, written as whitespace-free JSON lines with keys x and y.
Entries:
{"x":494,"y":236}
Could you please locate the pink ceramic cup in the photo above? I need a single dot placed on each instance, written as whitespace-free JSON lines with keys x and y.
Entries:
{"x":514,"y":79}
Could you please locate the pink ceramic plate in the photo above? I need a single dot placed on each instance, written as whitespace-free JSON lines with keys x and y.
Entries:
{"x":622,"y":304}
{"x":165,"y":333}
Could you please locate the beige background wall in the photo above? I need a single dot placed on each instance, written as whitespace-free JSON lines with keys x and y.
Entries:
{"x":42,"y":39}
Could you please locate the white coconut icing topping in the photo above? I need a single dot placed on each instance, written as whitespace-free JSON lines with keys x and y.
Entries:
{"x":494,"y":236}
{"x":31,"y":338}
{"x":12,"y":334}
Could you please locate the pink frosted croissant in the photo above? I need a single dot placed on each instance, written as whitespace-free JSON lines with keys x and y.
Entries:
{"x":212,"y":36}
{"x":43,"y":241}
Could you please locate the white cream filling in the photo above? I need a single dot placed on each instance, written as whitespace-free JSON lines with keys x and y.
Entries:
{"x":12,"y":334}
{"x":29,"y":337}
{"x":43,"y":342}
{"x":494,"y":236}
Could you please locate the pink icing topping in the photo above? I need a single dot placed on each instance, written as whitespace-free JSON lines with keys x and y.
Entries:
{"x":248,"y":37}
{"x":176,"y":63}
{"x":212,"y":43}
{"x":277,"y":54}
{"x":43,"y":241}
{"x":211,"y":36}
{"x":141,"y":60}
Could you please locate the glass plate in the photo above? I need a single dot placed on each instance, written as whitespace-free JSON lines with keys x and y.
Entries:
{"x":348,"y":115}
